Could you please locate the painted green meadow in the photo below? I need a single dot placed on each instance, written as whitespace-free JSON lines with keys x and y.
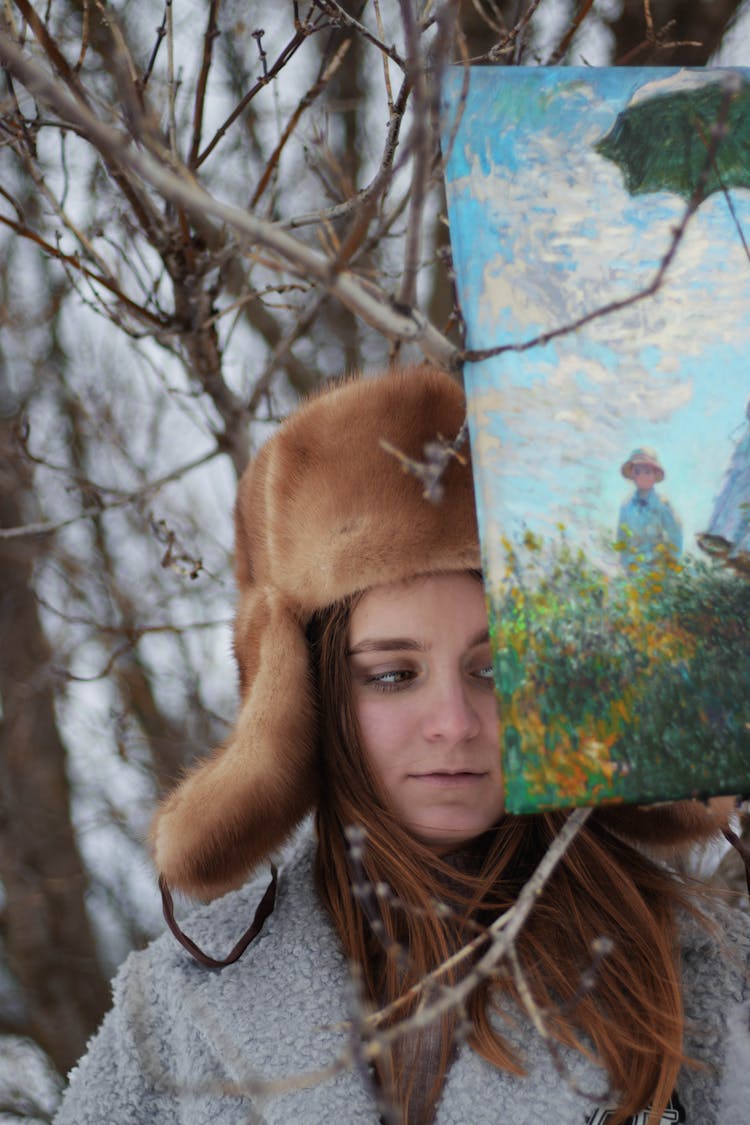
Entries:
{"x":619,"y":688}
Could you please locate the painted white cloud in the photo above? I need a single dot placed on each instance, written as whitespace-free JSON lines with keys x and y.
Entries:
{"x":552,"y":224}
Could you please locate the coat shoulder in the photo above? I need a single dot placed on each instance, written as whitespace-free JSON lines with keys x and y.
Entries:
{"x":716,"y":998}
{"x":165,"y":1051}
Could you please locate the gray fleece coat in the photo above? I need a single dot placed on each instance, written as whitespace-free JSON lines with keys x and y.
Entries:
{"x":185,"y":1045}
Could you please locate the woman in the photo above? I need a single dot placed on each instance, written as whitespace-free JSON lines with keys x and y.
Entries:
{"x":728,"y":535}
{"x":366,"y":683}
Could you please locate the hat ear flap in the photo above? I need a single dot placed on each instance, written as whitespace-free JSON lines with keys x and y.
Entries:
{"x":245,"y":800}
{"x":668,"y":826}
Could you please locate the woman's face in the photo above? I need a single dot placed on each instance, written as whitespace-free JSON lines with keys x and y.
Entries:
{"x":423,"y":695}
{"x":644,"y":477}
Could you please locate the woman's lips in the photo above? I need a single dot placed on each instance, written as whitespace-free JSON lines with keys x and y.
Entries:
{"x":448,"y":778}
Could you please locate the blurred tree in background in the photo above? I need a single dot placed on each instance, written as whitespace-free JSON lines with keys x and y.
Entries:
{"x":207,"y":209}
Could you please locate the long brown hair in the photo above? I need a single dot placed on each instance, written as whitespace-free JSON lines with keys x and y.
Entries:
{"x":631,"y":1015}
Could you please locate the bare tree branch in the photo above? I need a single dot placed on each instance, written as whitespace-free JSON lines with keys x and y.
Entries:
{"x":49,"y":527}
{"x":363,"y":298}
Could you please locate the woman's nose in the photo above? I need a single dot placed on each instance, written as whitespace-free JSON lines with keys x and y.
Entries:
{"x":449,"y":713}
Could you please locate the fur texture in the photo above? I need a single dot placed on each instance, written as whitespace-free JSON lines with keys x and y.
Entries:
{"x":323,"y":512}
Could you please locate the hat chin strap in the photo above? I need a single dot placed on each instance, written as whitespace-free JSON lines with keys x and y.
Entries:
{"x":265,"y":907}
{"x":744,"y":851}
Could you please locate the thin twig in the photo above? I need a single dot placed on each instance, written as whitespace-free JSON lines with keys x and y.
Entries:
{"x":209,"y":37}
{"x":345,"y":19}
{"x":502,"y":933}
{"x":437,"y":456}
{"x":52,"y":51}
{"x":511,"y":41}
{"x":586,"y":983}
{"x":384,"y":57}
{"x":58,"y":207}
{"x":75,"y":262}
{"x":262,"y":54}
{"x":133,"y":632}
{"x":364,"y":892}
{"x":300,"y":35}
{"x":171,"y":92}
{"x":161,"y":31}
{"x":300,"y":328}
{"x":379,"y":182}
{"x":84,"y":38}
{"x":142,"y":207}
{"x":562,"y":47}
{"x":305,"y":102}
{"x":52,"y":526}
{"x":421,"y":137}
{"x":655,"y":40}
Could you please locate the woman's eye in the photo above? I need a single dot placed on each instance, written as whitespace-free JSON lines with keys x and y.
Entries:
{"x":486,"y":673}
{"x":391,"y":680}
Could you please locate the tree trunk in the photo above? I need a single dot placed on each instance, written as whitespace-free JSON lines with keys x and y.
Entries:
{"x":48,"y":938}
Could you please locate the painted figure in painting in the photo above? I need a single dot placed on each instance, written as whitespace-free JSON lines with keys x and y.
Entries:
{"x":648,"y":531}
{"x":728,"y":533}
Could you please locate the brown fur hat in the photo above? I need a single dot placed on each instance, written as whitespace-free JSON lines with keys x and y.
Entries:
{"x":324,"y":512}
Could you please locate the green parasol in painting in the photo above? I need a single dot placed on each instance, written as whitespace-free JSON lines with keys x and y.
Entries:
{"x":662,"y":139}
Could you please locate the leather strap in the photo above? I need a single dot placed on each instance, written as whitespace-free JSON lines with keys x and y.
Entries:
{"x":265,"y":907}
{"x":743,"y":849}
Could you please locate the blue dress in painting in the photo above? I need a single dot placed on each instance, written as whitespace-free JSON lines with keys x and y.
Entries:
{"x":728,"y":534}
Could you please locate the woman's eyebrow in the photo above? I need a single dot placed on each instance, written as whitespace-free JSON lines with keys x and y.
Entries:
{"x":387,"y":644}
{"x":406,"y":644}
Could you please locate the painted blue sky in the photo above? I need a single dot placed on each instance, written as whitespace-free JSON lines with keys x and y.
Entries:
{"x":543,"y":231}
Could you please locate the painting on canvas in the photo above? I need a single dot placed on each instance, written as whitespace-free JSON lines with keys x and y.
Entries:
{"x":600,"y":228}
